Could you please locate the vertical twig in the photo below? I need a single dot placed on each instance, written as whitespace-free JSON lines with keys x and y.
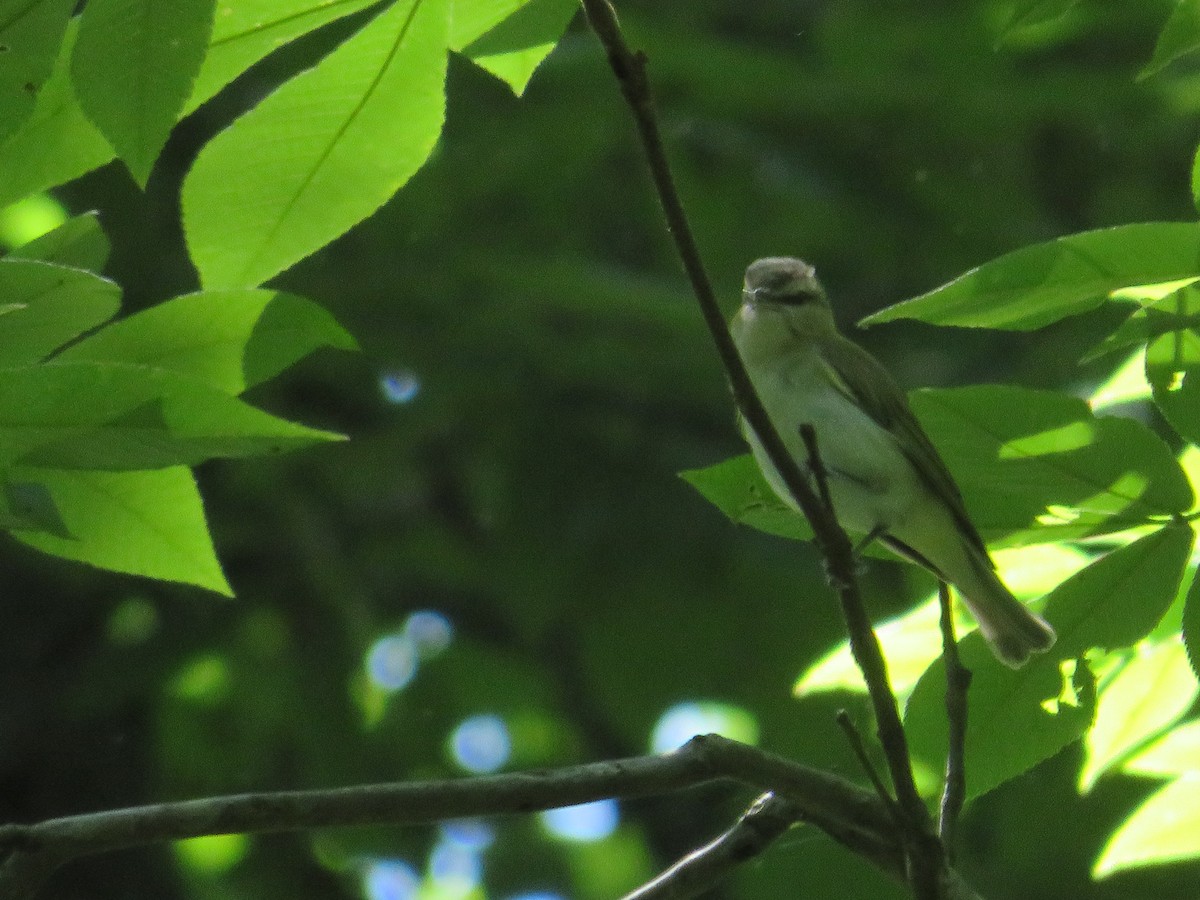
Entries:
{"x":958,"y":681}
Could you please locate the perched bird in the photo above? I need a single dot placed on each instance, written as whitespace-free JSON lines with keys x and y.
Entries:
{"x":885,"y":477}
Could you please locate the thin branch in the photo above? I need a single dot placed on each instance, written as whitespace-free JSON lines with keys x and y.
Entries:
{"x":958,"y":682}
{"x":864,"y":761}
{"x":808,"y":434}
{"x":630,"y":71}
{"x":701,"y":870}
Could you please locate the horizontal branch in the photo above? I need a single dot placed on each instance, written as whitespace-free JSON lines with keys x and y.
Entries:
{"x":28,"y":853}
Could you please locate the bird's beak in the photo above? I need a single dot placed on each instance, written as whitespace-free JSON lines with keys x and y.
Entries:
{"x":750,"y":296}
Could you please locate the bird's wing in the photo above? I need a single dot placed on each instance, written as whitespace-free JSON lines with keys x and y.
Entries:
{"x":863,"y":379}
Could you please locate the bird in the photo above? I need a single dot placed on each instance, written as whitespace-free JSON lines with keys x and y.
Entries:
{"x":886,"y":479}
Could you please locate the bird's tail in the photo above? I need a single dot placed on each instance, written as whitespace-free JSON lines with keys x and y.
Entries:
{"x":1011,"y":630}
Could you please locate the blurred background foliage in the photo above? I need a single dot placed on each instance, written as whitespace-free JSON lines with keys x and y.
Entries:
{"x":502,"y":569}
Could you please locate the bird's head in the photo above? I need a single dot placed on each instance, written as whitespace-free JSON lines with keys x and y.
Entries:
{"x":782,"y":280}
{"x":783,"y":305}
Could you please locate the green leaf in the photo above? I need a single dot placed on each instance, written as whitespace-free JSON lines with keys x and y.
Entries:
{"x":1018,"y":718}
{"x":911,"y":642}
{"x":133,"y":68}
{"x":1032,"y":13}
{"x":1179,"y":37}
{"x":1037,"y":285}
{"x":79,"y":243}
{"x":231,"y":339}
{"x":509,"y":39}
{"x":1033,"y":466}
{"x":56,"y":305}
{"x":1039,"y":466}
{"x":737,"y":488}
{"x":57,"y":142}
{"x":1148,"y":695}
{"x":1191,"y":624}
{"x":1127,"y":384}
{"x":245,"y":31}
{"x":30,"y":34}
{"x":142,"y":523}
{"x":1164,"y":828}
{"x":1117,"y":600}
{"x":1173,"y":371}
{"x":321,"y":153}
{"x":1177,"y":311}
{"x":1175,"y":753}
{"x":28,"y":506}
{"x":119,"y":417}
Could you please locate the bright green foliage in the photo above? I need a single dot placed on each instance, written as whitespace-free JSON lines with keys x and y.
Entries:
{"x":509,"y":39}
{"x":321,"y":153}
{"x":1145,"y":696}
{"x":56,"y":142}
{"x":1120,"y":597}
{"x":79,"y":243}
{"x":1163,"y":829}
{"x":1037,"y":466}
{"x":1018,"y":718}
{"x":133,"y":68}
{"x":125,"y":417}
{"x":1035,"y":286}
{"x":231,"y":339}
{"x":49,"y":305}
{"x":144,"y":523}
{"x":1177,"y":752}
{"x":30,"y":34}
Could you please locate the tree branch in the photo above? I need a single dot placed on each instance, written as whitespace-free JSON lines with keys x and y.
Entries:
{"x":630,"y":71}
{"x":958,"y":682}
{"x":29,"y":853}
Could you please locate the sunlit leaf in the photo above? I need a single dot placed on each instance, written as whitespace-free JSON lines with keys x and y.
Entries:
{"x":79,"y":243}
{"x":510,"y":47}
{"x":244,"y":31}
{"x":1151,"y":692}
{"x":1175,"y":753}
{"x":231,"y":339}
{"x":1018,"y":718}
{"x":1164,"y":828}
{"x":30,"y":34}
{"x":912,"y":641}
{"x":56,"y":305}
{"x":1039,"y":466}
{"x":321,"y":153}
{"x":1034,"y":286}
{"x":1190,"y":625}
{"x":56,"y":143}
{"x":1173,"y":371}
{"x":141,"y":523}
{"x":1120,"y":597}
{"x":122,"y":417}
{"x":1178,"y":311}
{"x":1127,"y":384}
{"x":133,"y":68}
